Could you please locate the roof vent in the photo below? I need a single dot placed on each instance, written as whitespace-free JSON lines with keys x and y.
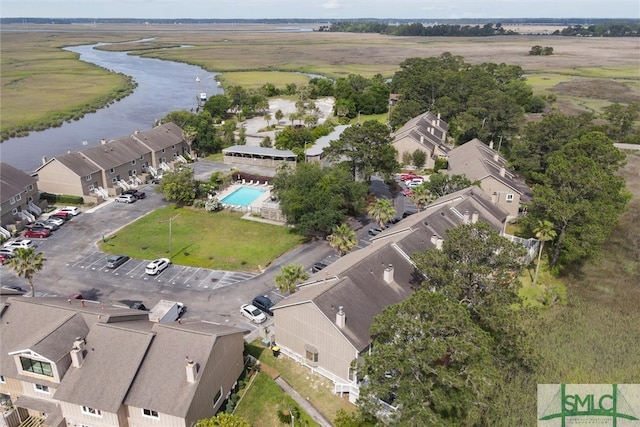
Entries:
{"x":341,"y":319}
{"x":475,"y":217}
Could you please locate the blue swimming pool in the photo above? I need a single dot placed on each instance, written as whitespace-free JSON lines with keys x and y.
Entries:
{"x":244,"y":196}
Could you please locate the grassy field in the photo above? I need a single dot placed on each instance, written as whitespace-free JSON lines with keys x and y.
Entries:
{"x":256,"y":79}
{"x":199,"y":238}
{"x":40,"y":82}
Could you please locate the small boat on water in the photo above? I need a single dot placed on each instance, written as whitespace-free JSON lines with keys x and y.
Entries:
{"x":197,"y":78}
{"x":202,"y":98}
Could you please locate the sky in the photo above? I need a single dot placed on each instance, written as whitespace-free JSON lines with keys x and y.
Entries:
{"x":319,"y":9}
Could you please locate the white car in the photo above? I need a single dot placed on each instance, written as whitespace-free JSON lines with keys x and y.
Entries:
{"x":157,"y":266}
{"x":414,"y":184}
{"x":71,"y":209}
{"x":253,"y":313}
{"x":56,"y":221}
{"x":19,"y":244}
{"x":125,"y":198}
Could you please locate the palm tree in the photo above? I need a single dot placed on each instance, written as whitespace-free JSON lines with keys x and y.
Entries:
{"x":27,"y":263}
{"x":382,"y":211}
{"x":342,"y":239}
{"x":189,"y":134}
{"x":421,"y":196}
{"x":289,"y":276}
{"x":544,"y":233}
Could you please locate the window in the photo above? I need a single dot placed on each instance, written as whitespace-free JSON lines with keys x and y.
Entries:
{"x":175,"y":155}
{"x":41,"y":388}
{"x":312,"y":356}
{"x":30,"y":187}
{"x":173,"y":147}
{"x":142,"y":157}
{"x":18,"y":197}
{"x":92,"y":411}
{"x":112,"y":170}
{"x":88,"y":177}
{"x":163,"y":150}
{"x":509,"y":198}
{"x":12,"y":200}
{"x":91,"y":187}
{"x":217,"y":397}
{"x":150,"y":413}
{"x":114,"y":180}
{"x":133,"y":162}
{"x":30,"y":199}
{"x":36,"y":366}
{"x":14,"y":211}
{"x":2,"y":380}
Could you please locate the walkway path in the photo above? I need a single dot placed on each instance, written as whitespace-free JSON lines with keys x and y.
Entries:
{"x":304,"y":403}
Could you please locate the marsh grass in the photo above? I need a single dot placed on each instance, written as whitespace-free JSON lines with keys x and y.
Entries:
{"x":221,"y":240}
{"x":257,"y":79}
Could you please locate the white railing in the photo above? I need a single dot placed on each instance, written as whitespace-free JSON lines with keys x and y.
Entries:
{"x":101,"y":191}
{"x":152,"y":171}
{"x":137,"y":180}
{"x":34,"y":208}
{"x":164,"y":166}
{"x":180,"y":158}
{"x":352,"y":389}
{"x":27,"y":215}
{"x":5,"y":233}
{"x":531,"y":245}
{"x":123,"y":185}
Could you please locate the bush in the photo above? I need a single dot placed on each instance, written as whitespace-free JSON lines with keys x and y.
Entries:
{"x":62,"y":198}
{"x":213,"y":205}
{"x":440,"y":164}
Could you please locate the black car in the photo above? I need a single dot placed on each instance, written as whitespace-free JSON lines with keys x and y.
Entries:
{"x":318,"y":266}
{"x":115,"y":261}
{"x":374,"y":231}
{"x":138,"y":306}
{"x":263,"y":303}
{"x":408,"y":213}
{"x":135,"y":193}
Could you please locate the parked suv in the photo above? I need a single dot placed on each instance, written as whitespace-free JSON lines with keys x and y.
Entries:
{"x":263,"y":303}
{"x":157,"y":266}
{"x":19,"y":244}
{"x":38,"y":233}
{"x":125,"y":198}
{"x":51,"y":225}
{"x":135,"y":193}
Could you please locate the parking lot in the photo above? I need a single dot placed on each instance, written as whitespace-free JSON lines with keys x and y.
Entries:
{"x":180,"y":276}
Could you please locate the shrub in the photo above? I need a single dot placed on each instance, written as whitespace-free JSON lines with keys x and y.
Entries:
{"x":62,"y":198}
{"x":213,"y":205}
{"x":440,"y":164}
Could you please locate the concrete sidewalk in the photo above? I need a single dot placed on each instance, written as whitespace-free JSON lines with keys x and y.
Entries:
{"x":304,"y":403}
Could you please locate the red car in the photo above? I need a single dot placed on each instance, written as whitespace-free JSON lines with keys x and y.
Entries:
{"x":409,"y":175}
{"x":407,"y":192}
{"x":39,"y":233}
{"x":62,"y":214}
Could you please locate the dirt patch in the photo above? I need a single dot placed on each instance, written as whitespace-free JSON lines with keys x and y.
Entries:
{"x":598,"y":89}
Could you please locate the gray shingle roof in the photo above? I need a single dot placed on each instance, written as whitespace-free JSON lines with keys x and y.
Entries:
{"x":77,"y":163}
{"x":162,"y":136}
{"x":356,"y":282}
{"x":116,"y":153}
{"x":477,"y":161}
{"x":13,"y":181}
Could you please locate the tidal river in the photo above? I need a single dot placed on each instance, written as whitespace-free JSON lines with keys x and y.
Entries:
{"x":163,"y":86}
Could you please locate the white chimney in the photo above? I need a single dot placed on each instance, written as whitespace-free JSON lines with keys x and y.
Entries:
{"x":421,"y":139}
{"x":388,"y":274}
{"x":103,"y":141}
{"x":496,"y":157}
{"x":439,"y":243}
{"x":434,"y":238}
{"x":192,"y":370}
{"x":465,"y":217}
{"x":433,"y":131}
{"x":77,"y":353}
{"x":503,"y":171}
{"x":44,"y":160}
{"x":474,"y":217}
{"x":341,"y":319}
{"x":491,"y":144}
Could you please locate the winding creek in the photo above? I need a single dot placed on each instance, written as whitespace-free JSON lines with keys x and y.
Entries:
{"x":163,"y":86}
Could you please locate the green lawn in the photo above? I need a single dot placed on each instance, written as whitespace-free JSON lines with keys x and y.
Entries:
{"x":261,"y":401}
{"x":221,"y":240}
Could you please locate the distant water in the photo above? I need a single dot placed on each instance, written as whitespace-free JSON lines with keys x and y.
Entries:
{"x":163,"y":86}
